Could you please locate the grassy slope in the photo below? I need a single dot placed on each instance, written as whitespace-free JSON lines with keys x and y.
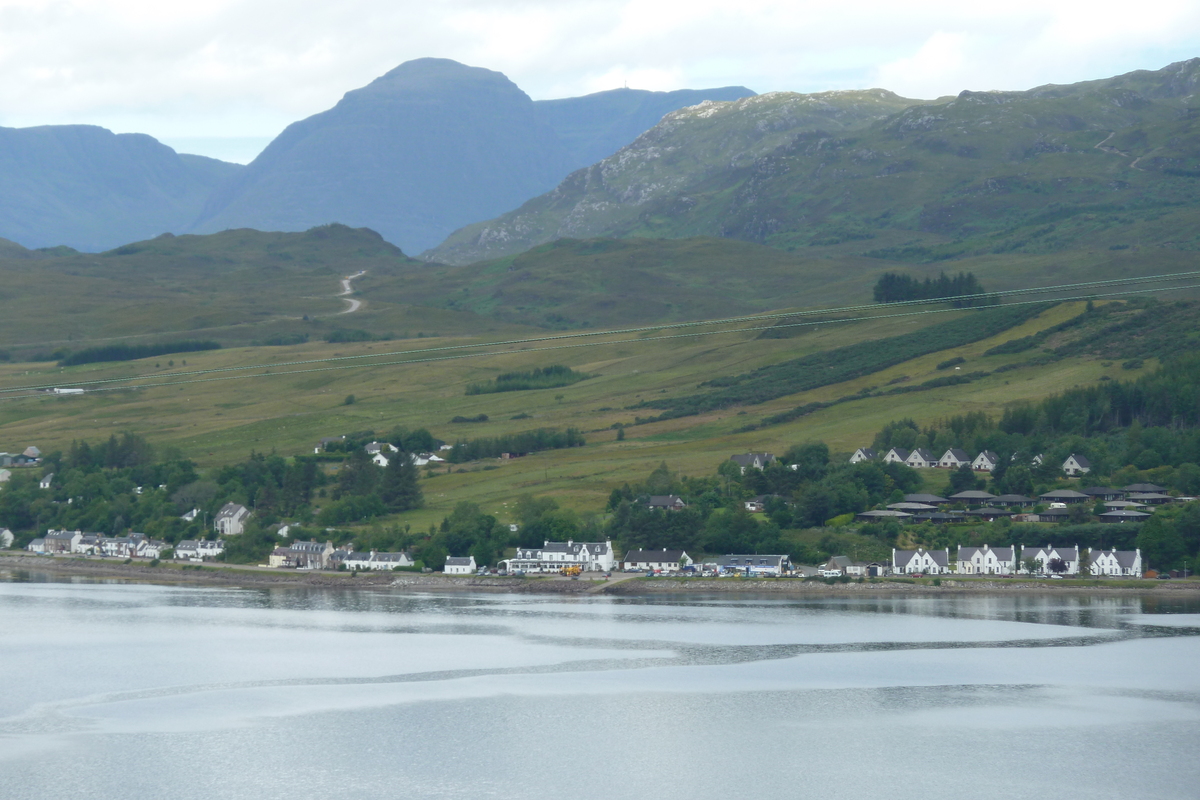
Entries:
{"x":236,"y":287}
{"x":219,"y":422}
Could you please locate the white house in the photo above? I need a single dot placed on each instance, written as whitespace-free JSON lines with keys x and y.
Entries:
{"x":375,"y":561}
{"x":231,"y":519}
{"x":921,"y":459}
{"x":658,"y":560}
{"x":985,"y":461}
{"x":897,"y":455}
{"x":863,"y":454}
{"x":1076,"y":465}
{"x":986,"y":560}
{"x":46,"y":480}
{"x":1044,"y":555}
{"x":5,"y":475}
{"x":953,"y":459}
{"x":460,"y":566}
{"x":752,"y":461}
{"x":920,"y":561}
{"x":1117,"y":563}
{"x":36,"y":546}
{"x":6,"y":538}
{"x":553,"y":556}
{"x":380,"y":460}
{"x":666,"y":501}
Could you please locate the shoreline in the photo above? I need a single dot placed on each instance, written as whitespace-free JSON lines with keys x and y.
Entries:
{"x":250,"y":577}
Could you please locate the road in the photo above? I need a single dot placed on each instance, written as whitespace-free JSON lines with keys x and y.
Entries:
{"x":355,"y":305}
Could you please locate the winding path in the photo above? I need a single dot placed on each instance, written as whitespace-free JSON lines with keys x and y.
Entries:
{"x":355,"y":305}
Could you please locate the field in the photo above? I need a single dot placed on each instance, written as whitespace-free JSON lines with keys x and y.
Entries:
{"x":219,"y":422}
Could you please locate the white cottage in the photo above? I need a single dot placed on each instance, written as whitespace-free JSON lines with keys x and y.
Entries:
{"x":897,"y":455}
{"x":1116,"y":563}
{"x":921,"y":459}
{"x":460,"y":566}
{"x":657,"y":560}
{"x":985,"y":461}
{"x":1044,"y":555}
{"x":953,"y":459}
{"x":920,"y":561}
{"x":986,"y":560}
{"x":1076,"y":465}
{"x":863,"y":454}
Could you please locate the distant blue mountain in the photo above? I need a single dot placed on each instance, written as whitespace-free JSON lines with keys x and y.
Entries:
{"x":419,"y":152}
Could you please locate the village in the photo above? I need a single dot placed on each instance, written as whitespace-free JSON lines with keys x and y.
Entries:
{"x":1132,"y":503}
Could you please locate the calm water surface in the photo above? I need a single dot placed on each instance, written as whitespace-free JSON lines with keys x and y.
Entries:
{"x":132,"y":692}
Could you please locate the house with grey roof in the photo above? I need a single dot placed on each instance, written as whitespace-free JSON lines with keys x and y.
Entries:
{"x":1064,"y":496}
{"x":972,"y":496}
{"x":1116,"y":563}
{"x":863,"y":454}
{"x":752,"y":461}
{"x":666,"y":502}
{"x":985,"y":461}
{"x":46,"y":480}
{"x":459,"y":565}
{"x":920,"y":561}
{"x":954,"y":458}
{"x":657,"y":560}
{"x":986,"y":560}
{"x":231,"y":519}
{"x":62,"y":541}
{"x":1120,"y":515}
{"x":897,"y":455}
{"x":1076,"y":465}
{"x":921,"y":459}
{"x":1044,"y":555}
{"x":37,"y":546}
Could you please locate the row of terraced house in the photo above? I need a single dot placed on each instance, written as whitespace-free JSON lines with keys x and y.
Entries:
{"x":986,"y":461}
{"x":1018,"y":560}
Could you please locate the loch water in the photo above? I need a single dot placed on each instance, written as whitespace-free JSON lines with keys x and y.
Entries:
{"x":138,"y":692}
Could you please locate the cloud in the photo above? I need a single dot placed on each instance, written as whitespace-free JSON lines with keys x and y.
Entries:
{"x":246,"y":68}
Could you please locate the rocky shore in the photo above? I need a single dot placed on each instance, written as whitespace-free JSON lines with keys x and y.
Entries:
{"x":21,"y":566}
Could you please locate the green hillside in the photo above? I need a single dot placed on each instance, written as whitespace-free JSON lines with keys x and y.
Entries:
{"x":287,"y":409}
{"x":1111,"y":163}
{"x":236,"y":287}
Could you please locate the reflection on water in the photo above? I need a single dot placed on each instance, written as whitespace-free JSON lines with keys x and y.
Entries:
{"x":363,"y":694}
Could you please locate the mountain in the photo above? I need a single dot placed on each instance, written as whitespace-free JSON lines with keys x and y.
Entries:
{"x":91,"y":189}
{"x":1044,"y":170}
{"x":429,"y":147}
{"x":597,"y":125}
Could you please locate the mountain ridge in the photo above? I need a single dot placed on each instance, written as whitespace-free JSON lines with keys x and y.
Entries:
{"x":975,"y":165}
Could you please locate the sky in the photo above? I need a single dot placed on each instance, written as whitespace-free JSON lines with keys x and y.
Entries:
{"x":223,"y":77}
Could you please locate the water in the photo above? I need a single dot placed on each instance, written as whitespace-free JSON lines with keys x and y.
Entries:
{"x":131,"y":692}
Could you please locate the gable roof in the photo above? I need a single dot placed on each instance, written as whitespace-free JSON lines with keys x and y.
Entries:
{"x":1080,"y":460}
{"x":973,"y":494}
{"x":924,"y":498}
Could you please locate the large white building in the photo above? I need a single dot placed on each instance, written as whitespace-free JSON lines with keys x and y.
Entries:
{"x":658,"y":560}
{"x":553,"y":556}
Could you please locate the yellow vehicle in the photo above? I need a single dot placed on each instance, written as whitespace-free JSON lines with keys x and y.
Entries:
{"x":572,"y":571}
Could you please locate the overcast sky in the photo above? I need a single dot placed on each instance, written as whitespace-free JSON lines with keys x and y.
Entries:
{"x":222,"y":77}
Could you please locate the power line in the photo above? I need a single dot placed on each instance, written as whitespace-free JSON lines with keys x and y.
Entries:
{"x":574,"y":346}
{"x":642,"y":329}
